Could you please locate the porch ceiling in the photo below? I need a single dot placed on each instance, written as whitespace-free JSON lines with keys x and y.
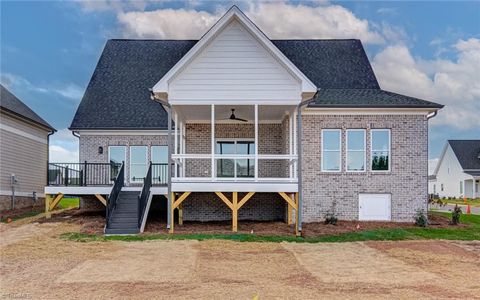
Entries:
{"x":192,"y":113}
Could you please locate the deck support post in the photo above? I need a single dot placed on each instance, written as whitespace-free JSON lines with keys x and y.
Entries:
{"x":289,"y":215}
{"x":180,"y":214}
{"x":297,"y":213}
{"x":172,"y":211}
{"x":48,"y":201}
{"x":235,"y":211}
{"x":292,"y":201}
{"x":101,"y":199}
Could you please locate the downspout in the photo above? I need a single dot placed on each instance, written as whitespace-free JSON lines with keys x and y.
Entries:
{"x":169,"y":169}
{"x":299,"y":159}
{"x":429,"y":116}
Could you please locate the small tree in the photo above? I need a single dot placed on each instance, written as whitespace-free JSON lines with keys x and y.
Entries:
{"x":456,"y":213}
{"x":331,"y":218}
{"x":421,"y":219}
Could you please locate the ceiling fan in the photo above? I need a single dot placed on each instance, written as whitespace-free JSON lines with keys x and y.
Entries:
{"x":233,"y":117}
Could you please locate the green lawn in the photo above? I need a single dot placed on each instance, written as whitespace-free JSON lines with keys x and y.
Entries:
{"x":452,"y":233}
{"x":68,"y":203}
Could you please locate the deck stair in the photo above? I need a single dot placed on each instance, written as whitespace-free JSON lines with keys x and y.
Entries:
{"x":124,"y":218}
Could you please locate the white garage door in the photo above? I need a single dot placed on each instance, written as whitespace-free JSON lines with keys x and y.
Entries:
{"x":374,"y":207}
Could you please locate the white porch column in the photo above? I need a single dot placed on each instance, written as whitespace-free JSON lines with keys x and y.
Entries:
{"x":212,"y":122}
{"x":290,"y":144}
{"x":181,"y":147}
{"x":256,"y":142}
{"x":295,"y":171}
{"x":175,"y":147}
{"x":184,"y":149}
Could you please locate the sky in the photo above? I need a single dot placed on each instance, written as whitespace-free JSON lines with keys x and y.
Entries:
{"x":429,"y":50}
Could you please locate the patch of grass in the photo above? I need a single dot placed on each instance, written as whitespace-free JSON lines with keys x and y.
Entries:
{"x":68,"y":203}
{"x":391,"y":234}
{"x":24,"y":215}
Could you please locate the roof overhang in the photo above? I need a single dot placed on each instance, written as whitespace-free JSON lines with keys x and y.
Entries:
{"x":161,"y":88}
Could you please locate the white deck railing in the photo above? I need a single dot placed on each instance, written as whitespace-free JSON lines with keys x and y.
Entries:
{"x":183,"y":166}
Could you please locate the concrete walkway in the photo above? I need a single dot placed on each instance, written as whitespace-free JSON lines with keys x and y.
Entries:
{"x":450,"y":207}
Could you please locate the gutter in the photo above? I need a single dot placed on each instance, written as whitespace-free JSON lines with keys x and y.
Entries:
{"x":429,"y":116}
{"x":169,"y":169}
{"x":299,"y":158}
{"x":48,"y":150}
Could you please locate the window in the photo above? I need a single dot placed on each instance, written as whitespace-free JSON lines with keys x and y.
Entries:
{"x":461,"y":187}
{"x":138,"y":163}
{"x":159,"y":154}
{"x":355,"y":150}
{"x":235,"y":167}
{"x":380,"y":149}
{"x":116,"y":156}
{"x":331,"y":150}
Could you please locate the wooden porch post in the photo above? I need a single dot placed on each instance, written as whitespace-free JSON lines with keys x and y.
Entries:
{"x":48,"y":201}
{"x":172,"y":211}
{"x":235,"y":212}
{"x":180,"y":214}
{"x":297,"y":232}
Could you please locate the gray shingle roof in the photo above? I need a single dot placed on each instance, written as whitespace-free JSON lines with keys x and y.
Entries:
{"x":12,"y":104}
{"x":117,"y":96}
{"x":368,"y":98}
{"x":467,"y":153}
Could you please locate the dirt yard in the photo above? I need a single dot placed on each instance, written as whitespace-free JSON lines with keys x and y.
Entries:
{"x":37,"y":264}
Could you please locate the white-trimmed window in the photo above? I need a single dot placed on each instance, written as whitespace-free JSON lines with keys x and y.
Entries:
{"x":159,"y":154}
{"x":331,"y":150}
{"x":356,"y":151}
{"x":380,"y":147}
{"x":138,"y":163}
{"x":227,"y":167}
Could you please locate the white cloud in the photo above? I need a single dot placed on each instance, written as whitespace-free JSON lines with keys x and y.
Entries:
{"x":62,"y":155}
{"x":297,"y":21}
{"x":71,"y":91}
{"x":63,"y":147}
{"x":455,"y":83}
{"x":12,"y":81}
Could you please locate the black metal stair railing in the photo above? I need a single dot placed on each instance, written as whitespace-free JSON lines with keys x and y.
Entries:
{"x":143,"y":198}
{"x":117,"y":188}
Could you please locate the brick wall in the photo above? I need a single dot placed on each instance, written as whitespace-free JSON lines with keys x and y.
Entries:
{"x":20,"y":202}
{"x":89,"y":146}
{"x":208,"y":207}
{"x":407,"y":180}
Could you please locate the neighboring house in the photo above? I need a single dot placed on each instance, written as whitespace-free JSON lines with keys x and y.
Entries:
{"x":457,"y":173}
{"x":23,"y":153}
{"x":245,"y":109}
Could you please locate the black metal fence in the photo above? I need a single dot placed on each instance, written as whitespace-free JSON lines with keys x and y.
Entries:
{"x":82,"y":174}
{"x":143,"y":198}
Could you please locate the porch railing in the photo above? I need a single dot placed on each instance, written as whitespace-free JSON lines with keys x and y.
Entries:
{"x":117,"y":188}
{"x":82,"y":174}
{"x":236,"y":167}
{"x":159,"y":174}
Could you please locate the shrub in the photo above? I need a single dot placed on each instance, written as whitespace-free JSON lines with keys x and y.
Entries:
{"x":421,"y":219}
{"x":456,"y":213}
{"x":330,"y":218}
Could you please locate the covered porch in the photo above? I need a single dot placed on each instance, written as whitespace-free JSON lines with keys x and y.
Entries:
{"x":234,"y":152}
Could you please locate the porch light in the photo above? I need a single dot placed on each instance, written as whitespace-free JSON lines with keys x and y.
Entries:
{"x":100,"y":150}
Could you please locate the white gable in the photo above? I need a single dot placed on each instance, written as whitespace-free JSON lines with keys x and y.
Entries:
{"x":235,"y":67}
{"x":234,"y":62}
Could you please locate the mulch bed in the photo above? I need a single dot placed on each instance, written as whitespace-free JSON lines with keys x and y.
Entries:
{"x":93,"y":222}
